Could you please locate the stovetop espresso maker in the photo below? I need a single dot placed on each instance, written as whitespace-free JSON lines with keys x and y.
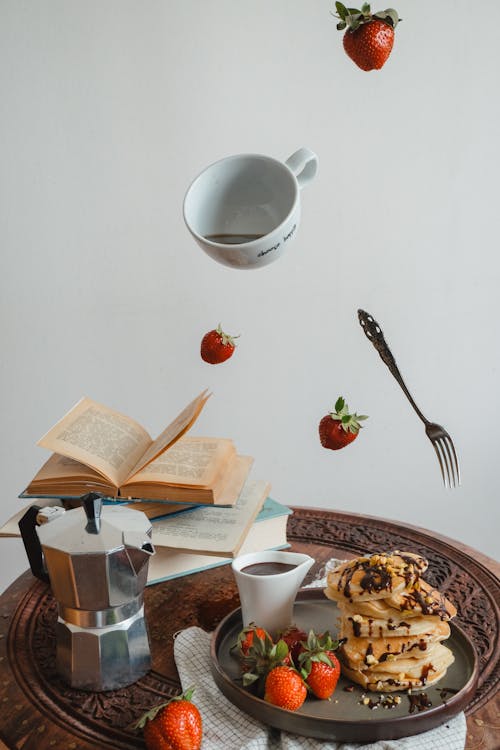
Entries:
{"x":96,"y":560}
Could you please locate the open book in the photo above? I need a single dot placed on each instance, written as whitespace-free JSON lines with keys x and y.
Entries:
{"x":98,"y":449}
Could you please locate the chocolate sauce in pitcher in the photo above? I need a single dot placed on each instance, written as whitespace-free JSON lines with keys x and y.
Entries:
{"x":267,"y":568}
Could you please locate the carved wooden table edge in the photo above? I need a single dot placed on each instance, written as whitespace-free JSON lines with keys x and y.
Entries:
{"x":38,"y":712}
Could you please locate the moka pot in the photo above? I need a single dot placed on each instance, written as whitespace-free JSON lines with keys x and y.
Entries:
{"x":96,"y":560}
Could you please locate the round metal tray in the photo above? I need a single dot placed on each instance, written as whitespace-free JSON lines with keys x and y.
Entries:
{"x":345,"y":717}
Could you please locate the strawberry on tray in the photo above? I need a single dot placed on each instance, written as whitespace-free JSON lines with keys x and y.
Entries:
{"x":284,"y":672}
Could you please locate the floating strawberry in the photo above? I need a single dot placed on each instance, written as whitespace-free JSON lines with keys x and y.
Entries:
{"x":175,"y":725}
{"x":285,"y":688}
{"x":339,"y":428}
{"x":217,"y":346}
{"x":369,"y":37}
{"x":320,"y":667}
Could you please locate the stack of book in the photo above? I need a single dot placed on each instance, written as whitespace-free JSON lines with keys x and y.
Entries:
{"x":217,"y":535}
{"x":203,"y":507}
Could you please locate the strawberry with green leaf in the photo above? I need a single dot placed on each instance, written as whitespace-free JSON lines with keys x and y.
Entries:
{"x":260,"y":659}
{"x":246,"y":638}
{"x":175,"y":725}
{"x":217,"y":346}
{"x":294,"y":638}
{"x":339,"y":428}
{"x":369,"y":37}
{"x":319,"y":665}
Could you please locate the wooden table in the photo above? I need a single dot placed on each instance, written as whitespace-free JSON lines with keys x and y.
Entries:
{"x":38,"y":712}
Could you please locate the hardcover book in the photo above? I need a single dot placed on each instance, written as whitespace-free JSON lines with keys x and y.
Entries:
{"x":268,"y":531}
{"x":213,"y":531}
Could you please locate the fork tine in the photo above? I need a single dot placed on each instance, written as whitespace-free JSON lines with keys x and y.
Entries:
{"x":437,"y":448}
{"x":448,"y":460}
{"x":453,"y":459}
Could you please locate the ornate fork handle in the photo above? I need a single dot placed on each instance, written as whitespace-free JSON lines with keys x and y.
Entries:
{"x":374,"y":332}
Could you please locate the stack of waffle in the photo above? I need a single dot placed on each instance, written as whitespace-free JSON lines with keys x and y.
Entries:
{"x":393,"y":622}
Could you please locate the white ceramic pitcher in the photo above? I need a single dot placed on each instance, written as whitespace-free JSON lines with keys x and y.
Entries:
{"x":267,"y":595}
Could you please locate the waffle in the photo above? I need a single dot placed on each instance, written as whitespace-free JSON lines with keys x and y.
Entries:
{"x":392,"y":622}
{"x":403,"y":674}
{"x":375,"y":576}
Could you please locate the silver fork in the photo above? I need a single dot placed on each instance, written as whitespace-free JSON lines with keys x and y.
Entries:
{"x":440,"y":439}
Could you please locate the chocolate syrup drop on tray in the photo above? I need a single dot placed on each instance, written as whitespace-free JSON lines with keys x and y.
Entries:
{"x":267,"y":568}
{"x":419,"y":702}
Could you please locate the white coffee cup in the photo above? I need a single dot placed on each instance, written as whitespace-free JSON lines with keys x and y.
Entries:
{"x":244,"y":210}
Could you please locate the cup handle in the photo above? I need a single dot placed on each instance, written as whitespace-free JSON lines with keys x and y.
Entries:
{"x":304,"y":164}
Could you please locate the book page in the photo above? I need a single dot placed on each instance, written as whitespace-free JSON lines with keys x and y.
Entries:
{"x":109,"y":442}
{"x":158,"y":510}
{"x":225,"y":490}
{"x":217,"y":531}
{"x":193,"y":461}
{"x":173,"y":432}
{"x":59,"y":467}
{"x":229,"y":490}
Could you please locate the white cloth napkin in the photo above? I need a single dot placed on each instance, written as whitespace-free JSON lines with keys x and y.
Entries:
{"x":225,"y":727}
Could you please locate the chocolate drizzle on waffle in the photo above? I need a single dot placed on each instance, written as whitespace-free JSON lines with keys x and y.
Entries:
{"x":380,"y":573}
{"x":392,"y":621}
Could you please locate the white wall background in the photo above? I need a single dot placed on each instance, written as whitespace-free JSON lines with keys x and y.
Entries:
{"x":109,"y":109}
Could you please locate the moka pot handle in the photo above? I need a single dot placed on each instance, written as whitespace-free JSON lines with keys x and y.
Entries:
{"x":27,"y":527}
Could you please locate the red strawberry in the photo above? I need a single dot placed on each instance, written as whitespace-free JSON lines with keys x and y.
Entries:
{"x":339,"y":428}
{"x":323,"y":677}
{"x":320,"y":667}
{"x":369,"y":38}
{"x":217,"y":346}
{"x":175,"y":725}
{"x":285,"y":688}
{"x":294,"y":638}
{"x":261,"y":658}
{"x":247,"y":635}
